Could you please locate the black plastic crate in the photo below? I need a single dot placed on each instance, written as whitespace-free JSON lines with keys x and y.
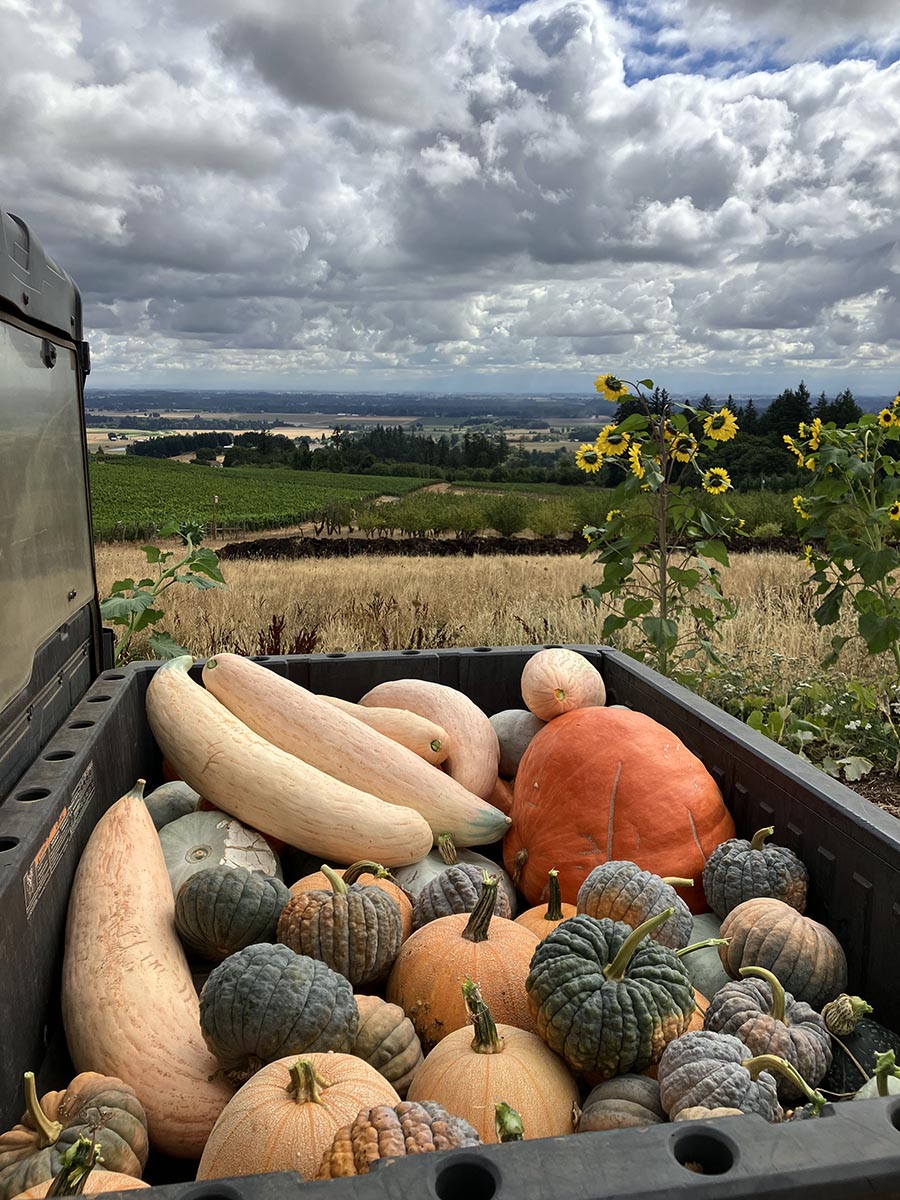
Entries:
{"x":852,"y":850}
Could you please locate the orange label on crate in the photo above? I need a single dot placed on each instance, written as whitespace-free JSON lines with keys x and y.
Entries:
{"x":55,"y":845}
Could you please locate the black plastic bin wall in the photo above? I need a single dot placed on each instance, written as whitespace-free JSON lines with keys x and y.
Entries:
{"x":852,"y":850}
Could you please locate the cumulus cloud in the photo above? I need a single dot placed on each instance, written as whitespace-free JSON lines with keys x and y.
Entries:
{"x":377,"y":192}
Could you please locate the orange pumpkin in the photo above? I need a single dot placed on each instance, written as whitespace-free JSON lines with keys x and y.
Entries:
{"x":369,"y":874}
{"x":696,"y":1023}
{"x":285,"y":1116}
{"x":97,"y":1181}
{"x":545,"y":917}
{"x":502,"y":796}
{"x":603,"y":783}
{"x":428,"y":974}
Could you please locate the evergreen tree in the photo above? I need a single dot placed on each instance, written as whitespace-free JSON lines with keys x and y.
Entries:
{"x":786,"y":412}
{"x":749,"y":422}
{"x":844,"y":409}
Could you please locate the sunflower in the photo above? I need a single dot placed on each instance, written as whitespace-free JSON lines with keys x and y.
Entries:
{"x":613,"y":513}
{"x":808,"y":555}
{"x":896,"y":403}
{"x":815,"y":432}
{"x":799,"y":509}
{"x":803,"y":430}
{"x":894,"y":511}
{"x":721,"y":426}
{"x":794,"y":449}
{"x":634,"y":461}
{"x":611,"y":441}
{"x":684,"y":447}
{"x":886,"y":418}
{"x":810,"y":464}
{"x":716,"y":480}
{"x":610,"y":387}
{"x":588,"y":458}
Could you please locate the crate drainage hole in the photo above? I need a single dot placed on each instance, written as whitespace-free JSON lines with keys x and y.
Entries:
{"x":59,"y":755}
{"x":465,"y":1181}
{"x":8,"y":843}
{"x":895,"y":1117}
{"x":33,"y":794}
{"x":704,"y":1154}
{"x":98,"y":699}
{"x":82,"y":724}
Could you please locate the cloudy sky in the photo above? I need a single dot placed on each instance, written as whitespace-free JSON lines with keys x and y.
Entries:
{"x":494,"y":196}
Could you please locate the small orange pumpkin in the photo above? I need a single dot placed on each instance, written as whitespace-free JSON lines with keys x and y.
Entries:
{"x":556,"y":681}
{"x":543,"y":920}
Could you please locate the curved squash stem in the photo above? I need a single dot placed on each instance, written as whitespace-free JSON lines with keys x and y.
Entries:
{"x":676,"y":881}
{"x":365,"y":867}
{"x":338,"y":886}
{"x":447,"y":849}
{"x":49,"y":1130}
{"x":479,"y":922}
{"x":777,"y":1010}
{"x":75,"y":1165}
{"x":137,"y":792}
{"x":554,"y":899}
{"x":487,"y":1040}
{"x":508,"y":1123}
{"x":703,"y":945}
{"x":306,"y":1082}
{"x":885,"y":1068}
{"x":619,"y":965}
{"x":771,"y":1062}
{"x":759,"y":838}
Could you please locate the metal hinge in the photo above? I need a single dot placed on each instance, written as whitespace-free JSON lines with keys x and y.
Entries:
{"x":84,"y":357}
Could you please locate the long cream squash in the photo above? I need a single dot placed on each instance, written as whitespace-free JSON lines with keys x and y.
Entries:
{"x":297,"y":721}
{"x":423,"y":737}
{"x":244,"y":775}
{"x":129,"y":1005}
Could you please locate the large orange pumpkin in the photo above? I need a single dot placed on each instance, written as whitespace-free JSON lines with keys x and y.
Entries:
{"x":603,"y":783}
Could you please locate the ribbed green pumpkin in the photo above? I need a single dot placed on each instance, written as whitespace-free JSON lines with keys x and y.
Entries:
{"x":266,"y":1002}
{"x":223,"y":909}
{"x":356,"y":930}
{"x":621,"y":891}
{"x":739,"y":870}
{"x":455,"y":890}
{"x":608,"y":998}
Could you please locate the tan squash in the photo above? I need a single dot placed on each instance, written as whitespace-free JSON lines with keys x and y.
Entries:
{"x":474,"y":757}
{"x":430,"y":969}
{"x":544,"y":918}
{"x":272,"y":791}
{"x":469,"y":1076}
{"x":423,"y":737}
{"x":129,"y":1005}
{"x":298,"y":722}
{"x":285,"y":1116}
{"x":97,"y":1182}
{"x":387,"y":1041}
{"x":369,"y":874}
{"x":502,"y":796}
{"x":556,"y":681}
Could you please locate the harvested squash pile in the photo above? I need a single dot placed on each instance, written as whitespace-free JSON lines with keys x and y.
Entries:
{"x":302,"y":952}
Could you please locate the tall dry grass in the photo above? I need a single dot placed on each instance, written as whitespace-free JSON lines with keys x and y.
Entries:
{"x":397,"y":603}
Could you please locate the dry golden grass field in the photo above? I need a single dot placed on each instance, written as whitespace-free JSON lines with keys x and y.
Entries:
{"x":395,"y":603}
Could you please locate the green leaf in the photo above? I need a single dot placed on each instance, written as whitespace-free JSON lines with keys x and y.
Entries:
{"x":164,"y":645}
{"x":170,"y":529}
{"x":121,"y":585}
{"x":714,"y":549}
{"x":837,"y":644}
{"x":153,"y":553}
{"x":125,"y":606}
{"x":636,"y":606}
{"x":612,"y":624}
{"x":873,"y":565}
{"x":830,"y":608}
{"x":206,"y":561}
{"x":878,"y":632}
{"x":148,"y":617}
{"x":686,"y":577}
{"x":660,"y":632}
{"x":632,"y":424}
{"x":755,"y":720}
{"x":855,"y":767}
{"x":647,"y":383}
{"x":198,"y":581}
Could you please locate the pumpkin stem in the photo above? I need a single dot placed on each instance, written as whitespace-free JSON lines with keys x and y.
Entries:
{"x":759,"y":838}
{"x":49,"y":1130}
{"x":508,"y":1123}
{"x":435,"y":744}
{"x":518,"y":863}
{"x":777,"y":1010}
{"x":305,"y":1082}
{"x":338,"y":886}
{"x":75,"y":1165}
{"x":619,"y":965}
{"x":447,"y":849}
{"x":676,"y":881}
{"x":703,"y":945}
{"x":844,"y":1013}
{"x":137,"y":792}
{"x":771,"y":1062}
{"x":479,"y":922}
{"x":487,"y":1040}
{"x":885,"y":1068}
{"x":554,"y":899}
{"x":364,"y":867}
